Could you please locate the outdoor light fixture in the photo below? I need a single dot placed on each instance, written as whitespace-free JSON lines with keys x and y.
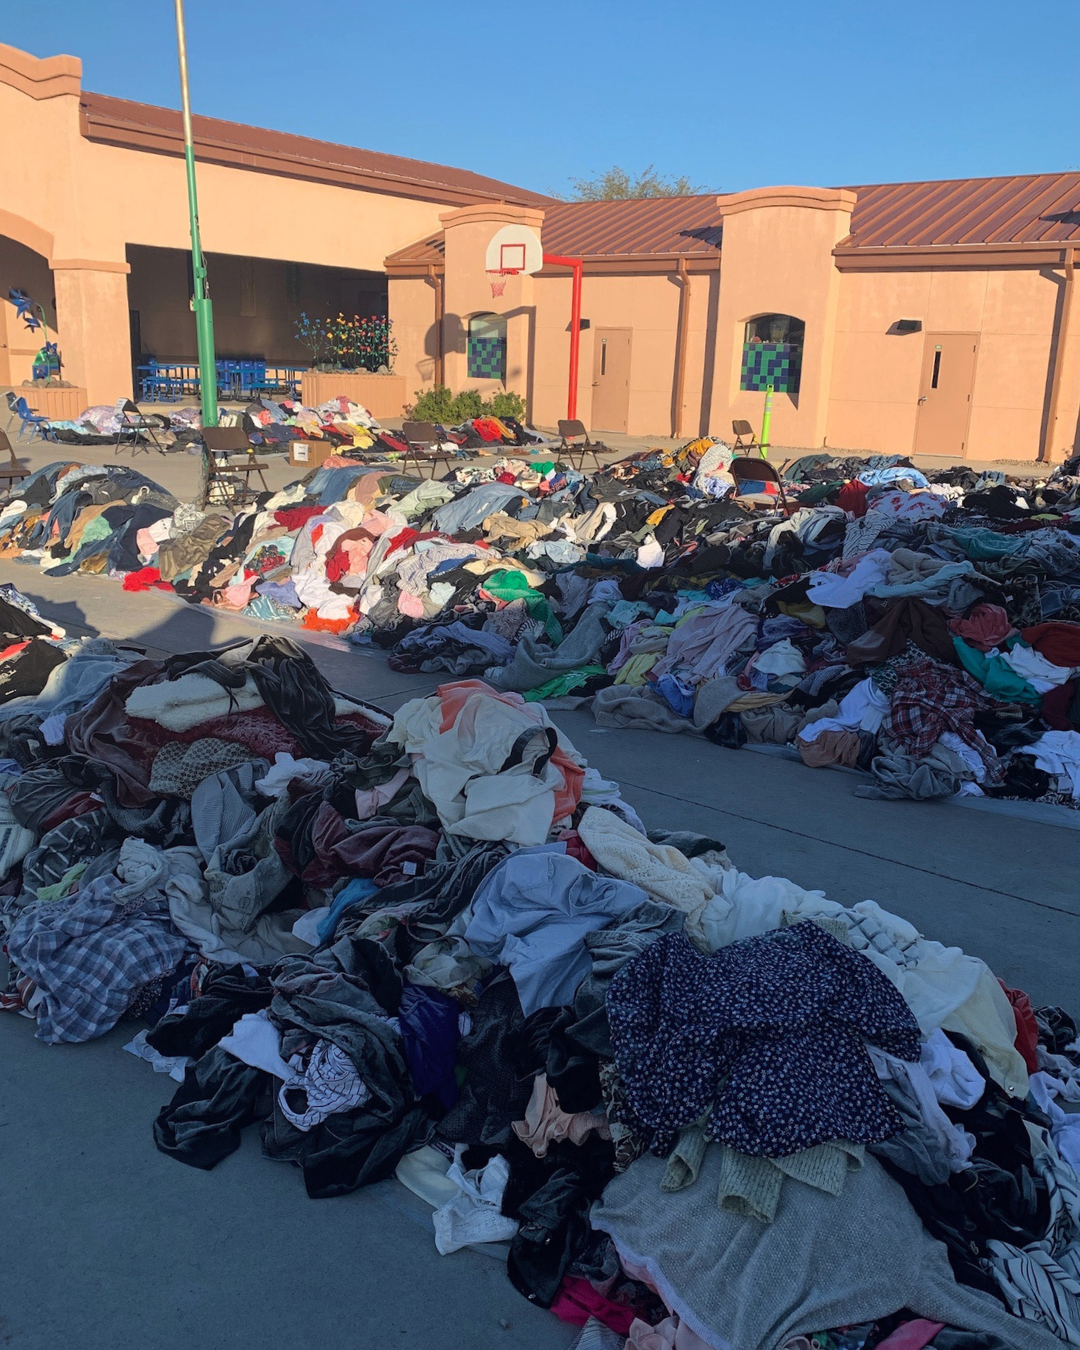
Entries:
{"x":908,"y":326}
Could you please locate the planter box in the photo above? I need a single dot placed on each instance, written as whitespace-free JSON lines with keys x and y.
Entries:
{"x":58,"y":405}
{"x":381,"y":395}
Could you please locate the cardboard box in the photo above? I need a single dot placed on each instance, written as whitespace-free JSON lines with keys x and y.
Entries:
{"x":309,"y":454}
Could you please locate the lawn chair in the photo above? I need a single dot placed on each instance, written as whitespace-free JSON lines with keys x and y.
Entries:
{"x":581,"y":449}
{"x":13,"y":470}
{"x":134,"y":423}
{"x":746,"y":469}
{"x":425,"y":446}
{"x":743,"y":428}
{"x":29,"y":419}
{"x":229,"y":441}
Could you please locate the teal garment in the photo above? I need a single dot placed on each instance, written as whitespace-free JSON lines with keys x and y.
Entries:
{"x":983,"y":545}
{"x":997,"y":677}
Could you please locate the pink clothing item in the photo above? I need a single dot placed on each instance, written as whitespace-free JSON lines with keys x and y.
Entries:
{"x":577,"y":1301}
{"x":238,"y":594}
{"x":146,"y":544}
{"x":986,"y":627}
{"x":670,"y":1334}
{"x":545,"y":1121}
{"x":410,"y":605}
{"x":913,"y":1335}
{"x":370,"y":802}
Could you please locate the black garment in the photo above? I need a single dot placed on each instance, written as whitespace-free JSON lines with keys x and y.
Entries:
{"x":493,"y":1093}
{"x":42,"y":790}
{"x":25,"y":674}
{"x":1056,"y":1028}
{"x":219,"y":1096}
{"x":227,"y":994}
{"x":998,"y":1196}
{"x":16,"y":623}
{"x":550,"y":1198}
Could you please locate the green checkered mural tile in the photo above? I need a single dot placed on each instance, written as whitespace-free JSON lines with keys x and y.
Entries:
{"x":487,"y":358}
{"x":775,"y":363}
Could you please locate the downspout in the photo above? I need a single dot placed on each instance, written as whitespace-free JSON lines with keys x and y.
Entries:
{"x":679,"y":383}
{"x":1046,"y":450}
{"x":436,"y":279}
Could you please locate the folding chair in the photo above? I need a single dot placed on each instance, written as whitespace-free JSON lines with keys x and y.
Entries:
{"x":29,"y":418}
{"x":13,"y":470}
{"x":424,"y":446}
{"x":581,"y":450}
{"x":228,"y":441}
{"x":745,"y":469}
{"x":743,"y":428}
{"x":133,"y":423}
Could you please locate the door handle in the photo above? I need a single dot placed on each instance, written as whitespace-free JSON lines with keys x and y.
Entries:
{"x":923,"y":399}
{"x":595,"y":384}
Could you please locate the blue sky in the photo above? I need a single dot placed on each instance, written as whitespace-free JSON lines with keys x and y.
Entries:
{"x":732,"y":94}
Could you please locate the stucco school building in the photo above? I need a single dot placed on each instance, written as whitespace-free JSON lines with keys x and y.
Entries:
{"x":936,"y":318}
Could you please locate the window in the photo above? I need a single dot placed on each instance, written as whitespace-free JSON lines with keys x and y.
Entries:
{"x":487,"y":347}
{"x":772,"y":353}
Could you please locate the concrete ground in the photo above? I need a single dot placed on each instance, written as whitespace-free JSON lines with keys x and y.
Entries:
{"x":113,"y":1244}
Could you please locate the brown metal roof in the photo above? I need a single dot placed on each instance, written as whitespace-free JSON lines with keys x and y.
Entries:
{"x":638,"y":228}
{"x":641,"y":228}
{"x":145,"y":127}
{"x":1034,"y":208}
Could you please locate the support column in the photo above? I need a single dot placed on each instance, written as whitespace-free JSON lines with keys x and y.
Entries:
{"x":94,"y":326}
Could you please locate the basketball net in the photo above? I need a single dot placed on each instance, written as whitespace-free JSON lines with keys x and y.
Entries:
{"x":499,"y":279}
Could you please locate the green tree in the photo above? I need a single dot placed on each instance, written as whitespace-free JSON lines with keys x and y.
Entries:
{"x":615,"y":184}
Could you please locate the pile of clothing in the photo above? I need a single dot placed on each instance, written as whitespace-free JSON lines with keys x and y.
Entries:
{"x":921,"y":629}
{"x":695,"y":1107}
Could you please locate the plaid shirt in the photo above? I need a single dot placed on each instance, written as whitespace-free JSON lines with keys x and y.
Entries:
{"x":929,"y":698}
{"x":88,"y":955}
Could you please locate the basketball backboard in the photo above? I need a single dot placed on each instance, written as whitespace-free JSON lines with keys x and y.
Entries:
{"x":514,"y":248}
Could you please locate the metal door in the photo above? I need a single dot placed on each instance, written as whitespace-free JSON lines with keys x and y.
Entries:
{"x":948,"y":377}
{"x":611,"y":380}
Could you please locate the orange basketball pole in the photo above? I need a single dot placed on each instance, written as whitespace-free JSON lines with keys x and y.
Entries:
{"x":577,"y":266}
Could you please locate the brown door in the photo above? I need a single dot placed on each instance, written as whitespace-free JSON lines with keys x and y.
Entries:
{"x":611,"y":380}
{"x":948,"y":376}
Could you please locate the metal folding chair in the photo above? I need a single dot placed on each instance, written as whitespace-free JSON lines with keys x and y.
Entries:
{"x":135,"y":423}
{"x":229,"y":441}
{"x":748,"y":469}
{"x":743,"y":428}
{"x":424,"y":446}
{"x":585,"y":447}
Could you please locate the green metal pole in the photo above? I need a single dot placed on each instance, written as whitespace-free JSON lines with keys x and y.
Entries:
{"x":766,"y":418}
{"x":204,"y":310}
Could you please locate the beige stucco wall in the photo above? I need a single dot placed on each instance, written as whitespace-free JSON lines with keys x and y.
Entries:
{"x":875,"y":386}
{"x":93,"y":200}
{"x":777,"y":258}
{"x":412,"y":313}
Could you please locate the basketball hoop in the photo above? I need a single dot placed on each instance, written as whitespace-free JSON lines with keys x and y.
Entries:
{"x":498,"y":278}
